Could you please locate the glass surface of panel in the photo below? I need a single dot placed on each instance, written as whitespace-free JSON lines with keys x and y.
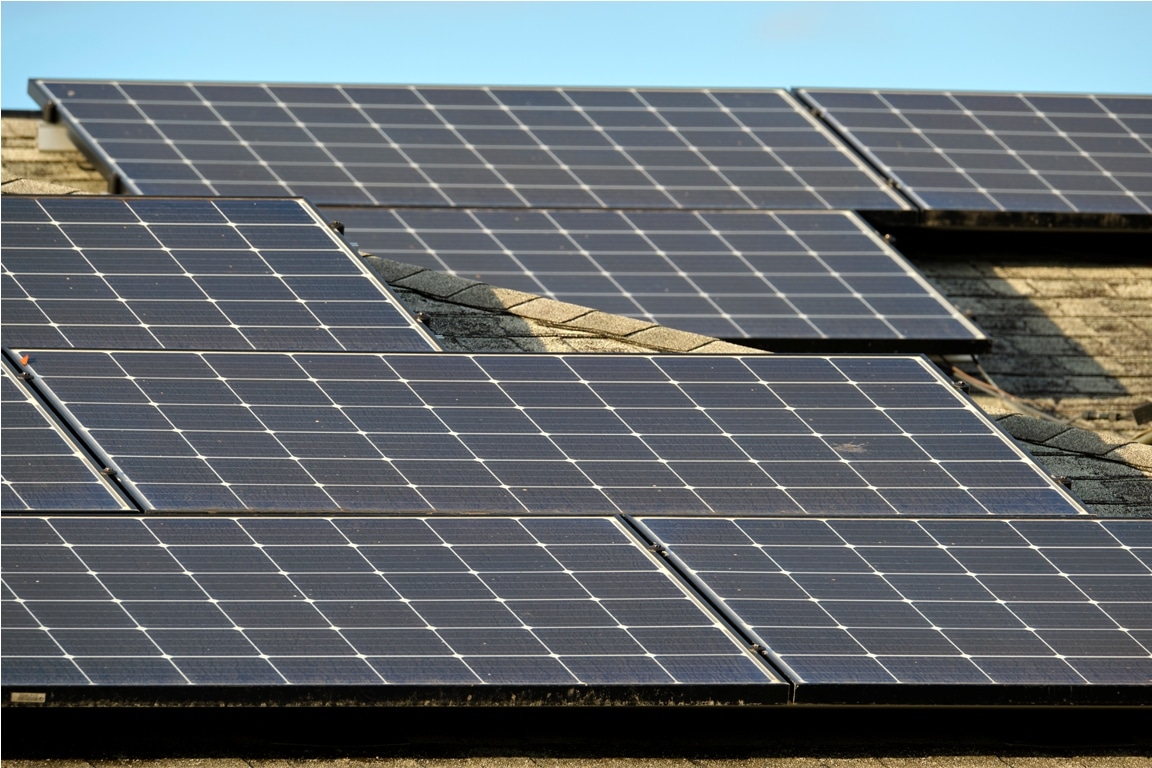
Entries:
{"x":90,"y":272}
{"x":1022,"y":152}
{"x":543,"y":434}
{"x":340,"y":602}
{"x":855,"y":605}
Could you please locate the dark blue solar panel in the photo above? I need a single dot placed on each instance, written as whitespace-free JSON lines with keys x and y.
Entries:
{"x":1002,"y":151}
{"x":823,"y":280}
{"x":498,"y":147}
{"x":44,"y":470}
{"x":90,"y":272}
{"x":545,"y":434}
{"x":852,"y":607}
{"x":308,"y":601}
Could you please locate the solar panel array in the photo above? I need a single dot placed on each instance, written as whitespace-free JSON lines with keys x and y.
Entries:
{"x":811,"y":529}
{"x":307,"y":601}
{"x":1002,"y":151}
{"x":439,"y":146}
{"x":816,"y":279}
{"x":89,"y":272}
{"x":851,"y":608}
{"x":543,"y":434}
{"x":43,"y":467}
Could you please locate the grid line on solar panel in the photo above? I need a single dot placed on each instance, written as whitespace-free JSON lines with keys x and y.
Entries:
{"x":543,"y":434}
{"x":352,"y":601}
{"x":434,"y":146}
{"x":1003,"y":151}
{"x":190,"y":274}
{"x":818,"y":276}
{"x":43,"y":469}
{"x":968,"y":602}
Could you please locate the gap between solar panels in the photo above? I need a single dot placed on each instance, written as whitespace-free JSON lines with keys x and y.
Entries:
{"x":540,"y":434}
{"x":45,"y":465}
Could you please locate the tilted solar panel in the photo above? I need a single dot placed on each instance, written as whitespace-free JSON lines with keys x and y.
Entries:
{"x":1002,"y":151}
{"x":787,"y":281}
{"x":543,"y":434}
{"x":95,"y":272}
{"x":473,"y":146}
{"x":934,"y":611}
{"x":43,"y":469}
{"x":354,"y":602}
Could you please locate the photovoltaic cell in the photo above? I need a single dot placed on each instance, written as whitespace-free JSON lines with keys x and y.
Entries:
{"x":443,"y":146}
{"x":98,"y":272}
{"x":367,"y":602}
{"x":823,"y":280}
{"x":853,"y":608}
{"x":1003,"y":151}
{"x":43,"y":469}
{"x":544,"y":434}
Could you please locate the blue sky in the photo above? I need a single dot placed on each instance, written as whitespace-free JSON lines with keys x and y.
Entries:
{"x":1037,"y":46}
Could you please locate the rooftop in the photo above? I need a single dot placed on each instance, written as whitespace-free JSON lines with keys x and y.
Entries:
{"x":1070,"y":361}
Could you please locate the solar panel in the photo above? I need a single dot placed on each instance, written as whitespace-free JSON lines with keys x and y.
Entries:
{"x":353,"y":602}
{"x":544,"y":434}
{"x":808,"y":281}
{"x":1002,"y":151}
{"x":43,"y":469}
{"x":937,"y":611}
{"x":442,"y":146}
{"x":98,"y":272}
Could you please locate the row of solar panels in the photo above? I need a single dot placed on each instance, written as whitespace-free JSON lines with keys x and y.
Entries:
{"x":811,"y":611}
{"x":618,"y":148}
{"x":245,"y":274}
{"x":539,"y":434}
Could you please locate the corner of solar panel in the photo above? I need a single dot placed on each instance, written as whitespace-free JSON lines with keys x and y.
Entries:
{"x":775,"y":529}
